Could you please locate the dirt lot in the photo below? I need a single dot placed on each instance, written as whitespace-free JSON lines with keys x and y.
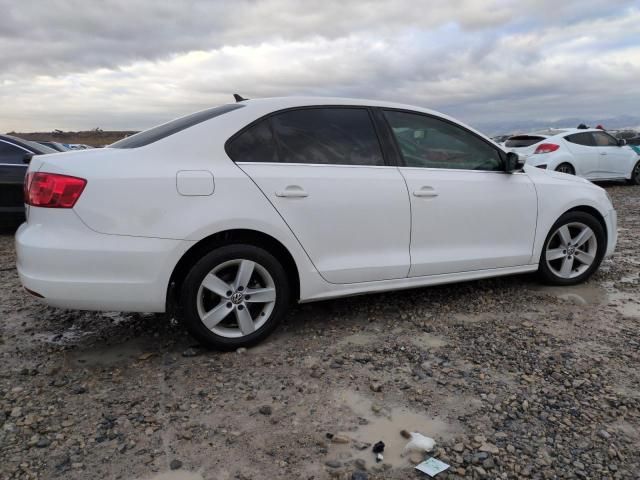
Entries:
{"x":511,"y":378}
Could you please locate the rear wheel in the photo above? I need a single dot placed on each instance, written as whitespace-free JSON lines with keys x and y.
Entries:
{"x":566,"y":168}
{"x":573,"y":249}
{"x":234,"y":297}
{"x":635,"y":174}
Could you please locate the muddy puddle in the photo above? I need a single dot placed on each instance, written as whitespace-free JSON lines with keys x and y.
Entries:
{"x":385,"y":426}
{"x":175,"y":475}
{"x":587,"y":295}
{"x":102,"y":356}
{"x":428,"y":341}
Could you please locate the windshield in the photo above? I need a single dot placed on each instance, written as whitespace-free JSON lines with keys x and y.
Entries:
{"x":162,"y":131}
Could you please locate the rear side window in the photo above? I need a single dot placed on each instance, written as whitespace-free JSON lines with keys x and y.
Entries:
{"x":430,"y":142}
{"x":256,"y":144}
{"x":523,"y":141}
{"x":331,"y":136}
{"x":584,"y":138}
{"x":11,"y":154}
{"x":162,"y":131}
{"x":604,"y":139}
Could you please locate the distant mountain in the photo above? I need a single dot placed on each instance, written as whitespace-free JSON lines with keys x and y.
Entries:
{"x":518,"y":126}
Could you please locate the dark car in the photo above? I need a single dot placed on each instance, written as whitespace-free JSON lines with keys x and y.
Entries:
{"x":55,"y":145}
{"x":13,"y":153}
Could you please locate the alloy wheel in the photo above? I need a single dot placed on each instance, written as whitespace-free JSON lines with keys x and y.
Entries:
{"x":571,"y":250}
{"x":236,"y":298}
{"x":565,"y":168}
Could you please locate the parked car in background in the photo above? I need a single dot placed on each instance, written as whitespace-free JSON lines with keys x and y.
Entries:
{"x":589,"y":153}
{"x":55,"y":145}
{"x":228,"y":215}
{"x":13,"y":152}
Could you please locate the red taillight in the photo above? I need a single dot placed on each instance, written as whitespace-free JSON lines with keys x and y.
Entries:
{"x":546,"y":148}
{"x":51,"y":190}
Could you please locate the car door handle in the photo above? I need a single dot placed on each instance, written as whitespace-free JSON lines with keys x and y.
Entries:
{"x":292,"y":191}
{"x":425,"y":191}
{"x":603,"y":153}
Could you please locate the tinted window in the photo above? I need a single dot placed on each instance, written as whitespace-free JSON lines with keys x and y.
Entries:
{"x":581,"y":139}
{"x":433,"y":143}
{"x":634,"y":141}
{"x":336,"y":136}
{"x":604,"y":139}
{"x":162,"y":131}
{"x":523,"y":141}
{"x":11,"y":154}
{"x":254,"y":145}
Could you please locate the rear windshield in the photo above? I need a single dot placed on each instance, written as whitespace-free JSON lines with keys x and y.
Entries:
{"x":523,"y":141}
{"x":162,"y":131}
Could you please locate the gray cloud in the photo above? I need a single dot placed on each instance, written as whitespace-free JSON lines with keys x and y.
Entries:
{"x":124,"y":64}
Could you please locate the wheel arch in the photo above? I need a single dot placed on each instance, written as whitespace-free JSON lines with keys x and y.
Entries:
{"x":228,"y":237}
{"x":594,"y":212}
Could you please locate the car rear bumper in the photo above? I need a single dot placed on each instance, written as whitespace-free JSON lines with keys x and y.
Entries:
{"x":612,"y":232}
{"x":72,"y":266}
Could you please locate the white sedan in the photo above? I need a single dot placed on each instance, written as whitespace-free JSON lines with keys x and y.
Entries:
{"x":589,"y":153}
{"x":228,"y":215}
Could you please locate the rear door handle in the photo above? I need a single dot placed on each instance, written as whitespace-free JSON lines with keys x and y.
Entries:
{"x":603,"y":153}
{"x":425,"y":191}
{"x":292,"y":191}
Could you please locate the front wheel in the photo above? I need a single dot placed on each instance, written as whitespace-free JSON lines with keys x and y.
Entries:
{"x":635,"y":174}
{"x":573,"y":249}
{"x":234,"y":296}
{"x":566,"y":168}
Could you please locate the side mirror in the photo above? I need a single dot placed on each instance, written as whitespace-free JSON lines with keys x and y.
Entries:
{"x":27,"y":158}
{"x":514,"y":163}
{"x":622,"y":142}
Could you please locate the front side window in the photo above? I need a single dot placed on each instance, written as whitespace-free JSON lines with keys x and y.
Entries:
{"x":329,"y":136}
{"x":11,"y":154}
{"x":429,"y":142}
{"x":256,"y":144}
{"x":584,"y":138}
{"x":604,"y":139}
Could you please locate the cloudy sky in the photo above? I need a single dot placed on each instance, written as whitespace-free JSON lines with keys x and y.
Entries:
{"x":130,"y":64}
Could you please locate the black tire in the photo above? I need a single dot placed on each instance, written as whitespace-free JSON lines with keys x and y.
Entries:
{"x":547,"y":275}
{"x":566,"y":168}
{"x":191,"y":286}
{"x":635,"y":175}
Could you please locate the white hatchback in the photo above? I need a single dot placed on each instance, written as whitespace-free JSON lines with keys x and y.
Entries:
{"x":589,"y":153}
{"x":228,"y":215}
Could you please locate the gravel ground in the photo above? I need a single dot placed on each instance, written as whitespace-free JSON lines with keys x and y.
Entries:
{"x":512,"y":379}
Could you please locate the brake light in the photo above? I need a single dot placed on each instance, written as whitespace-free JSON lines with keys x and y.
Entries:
{"x":546,"y":148}
{"x":51,"y":190}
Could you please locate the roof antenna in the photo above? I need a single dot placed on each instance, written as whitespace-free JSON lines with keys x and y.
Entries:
{"x":239,"y":98}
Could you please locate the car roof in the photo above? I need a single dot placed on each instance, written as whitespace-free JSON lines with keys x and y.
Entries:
{"x":273,"y":104}
{"x":33,"y":147}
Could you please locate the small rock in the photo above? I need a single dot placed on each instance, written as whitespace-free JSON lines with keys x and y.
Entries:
{"x":340,"y":439}
{"x":360,"y":464}
{"x":604,"y":434}
{"x":333,"y":464}
{"x":175,"y":464}
{"x":43,"y":443}
{"x":241,"y":350}
{"x":375,"y":387}
{"x":16,"y":412}
{"x":416,"y":457}
{"x":376,"y":408}
{"x":265,"y":410}
{"x":191,"y":352}
{"x":359,"y":475}
{"x":511,"y":448}
{"x":489,"y":448}
{"x":458,"y":447}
